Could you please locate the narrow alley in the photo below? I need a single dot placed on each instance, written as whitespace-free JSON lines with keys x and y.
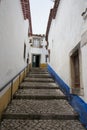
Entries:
{"x":39,"y":104}
{"x":43,"y":65}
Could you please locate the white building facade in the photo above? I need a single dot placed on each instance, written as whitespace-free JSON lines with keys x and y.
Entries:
{"x":67,"y":44}
{"x":38,"y":52}
{"x":15,"y":28}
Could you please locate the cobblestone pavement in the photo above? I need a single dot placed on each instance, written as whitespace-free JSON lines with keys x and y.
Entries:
{"x":39,"y":79}
{"x":32,"y":114}
{"x":40,"y":107}
{"x":38,"y":72}
{"x":43,"y":92}
{"x":41,"y":125}
{"x":35,"y":84}
{"x":39,"y":75}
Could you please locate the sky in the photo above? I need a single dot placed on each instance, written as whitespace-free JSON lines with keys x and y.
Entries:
{"x":39,"y":14}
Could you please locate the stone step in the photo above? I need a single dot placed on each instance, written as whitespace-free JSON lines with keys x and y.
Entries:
{"x":39,"y":79}
{"x":39,"y":72}
{"x":13,"y":124}
{"x":39,"y":109}
{"x":45,"y":92}
{"x":40,"y":94}
{"x":39,"y":105}
{"x":38,"y":69}
{"x":39,"y":75}
{"x":40,"y":85}
{"x":39,"y":116}
{"x":39,"y":97}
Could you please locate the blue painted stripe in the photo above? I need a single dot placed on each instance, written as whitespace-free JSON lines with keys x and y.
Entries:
{"x":80,"y":107}
{"x":63,"y":86}
{"x":77,"y":103}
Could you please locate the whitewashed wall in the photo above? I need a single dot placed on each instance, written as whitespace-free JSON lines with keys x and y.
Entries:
{"x":13,"y":31}
{"x":84,"y":56}
{"x":65,"y":33}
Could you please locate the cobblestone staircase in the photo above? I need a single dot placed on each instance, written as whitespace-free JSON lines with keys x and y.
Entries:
{"x":40,"y":105}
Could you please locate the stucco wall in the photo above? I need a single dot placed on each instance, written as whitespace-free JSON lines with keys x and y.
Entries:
{"x":84,"y":55}
{"x":65,"y":33}
{"x":13,"y":31}
{"x":84,"y":70}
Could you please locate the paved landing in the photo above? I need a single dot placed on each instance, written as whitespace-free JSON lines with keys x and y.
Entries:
{"x":41,"y":125}
{"x":54,"y":108}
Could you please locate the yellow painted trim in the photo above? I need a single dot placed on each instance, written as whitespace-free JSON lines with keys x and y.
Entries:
{"x":25,"y":71}
{"x":30,"y":66}
{"x":6,"y":97}
{"x":4,"y":100}
{"x":43,"y":65}
{"x":15,"y":86}
{"x":22,"y":76}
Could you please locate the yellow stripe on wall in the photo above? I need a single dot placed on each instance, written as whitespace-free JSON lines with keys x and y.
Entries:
{"x":43,"y":65}
{"x":6,"y":97}
{"x":4,"y":100}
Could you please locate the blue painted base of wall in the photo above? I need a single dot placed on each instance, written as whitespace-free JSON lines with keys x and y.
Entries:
{"x":76,"y":102}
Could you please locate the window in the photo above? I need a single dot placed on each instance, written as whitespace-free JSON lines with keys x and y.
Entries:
{"x":36,"y":42}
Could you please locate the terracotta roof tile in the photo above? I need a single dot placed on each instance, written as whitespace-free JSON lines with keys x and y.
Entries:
{"x":26,"y":13}
{"x":52,"y":15}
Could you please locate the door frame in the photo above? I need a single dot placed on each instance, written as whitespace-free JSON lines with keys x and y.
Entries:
{"x":74,"y":90}
{"x":32,"y":59}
